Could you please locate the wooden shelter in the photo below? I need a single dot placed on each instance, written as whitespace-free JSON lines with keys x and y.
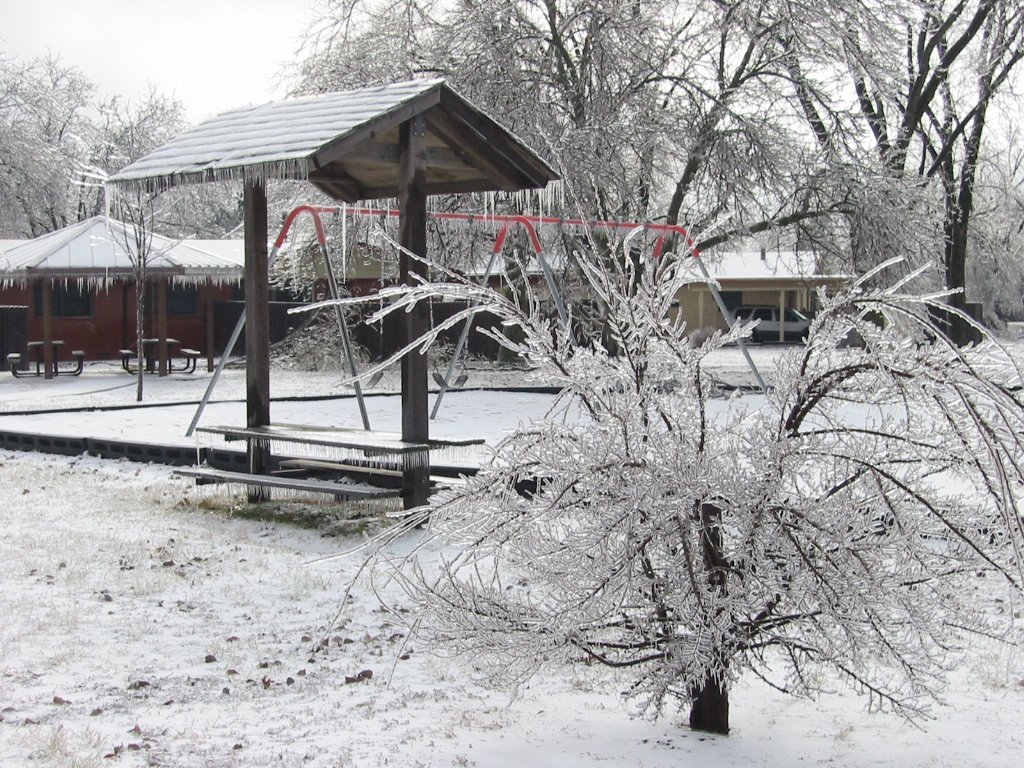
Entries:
{"x":405,"y":140}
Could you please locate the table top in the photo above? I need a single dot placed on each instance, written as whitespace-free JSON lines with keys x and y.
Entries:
{"x":53,"y":342}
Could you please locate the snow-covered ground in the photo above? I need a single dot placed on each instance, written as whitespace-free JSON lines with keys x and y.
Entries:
{"x":150,"y":622}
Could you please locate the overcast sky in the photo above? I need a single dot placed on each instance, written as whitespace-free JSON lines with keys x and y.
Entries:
{"x":212,"y":54}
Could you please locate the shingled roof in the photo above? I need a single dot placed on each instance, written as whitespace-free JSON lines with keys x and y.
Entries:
{"x":347,"y":144}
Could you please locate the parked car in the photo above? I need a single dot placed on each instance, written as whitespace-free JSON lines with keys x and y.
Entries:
{"x":794,"y":324}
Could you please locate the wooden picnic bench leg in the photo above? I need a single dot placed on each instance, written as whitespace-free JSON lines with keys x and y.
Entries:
{"x":126,"y":357}
{"x":191,"y":356}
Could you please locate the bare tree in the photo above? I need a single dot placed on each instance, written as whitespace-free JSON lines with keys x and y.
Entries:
{"x":136,"y":210}
{"x":835,"y":527}
{"x":131,"y":131}
{"x":996,"y":266}
{"x":926,"y":76}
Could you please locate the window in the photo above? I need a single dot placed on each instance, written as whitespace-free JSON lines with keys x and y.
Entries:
{"x":68,"y":300}
{"x":182,"y":300}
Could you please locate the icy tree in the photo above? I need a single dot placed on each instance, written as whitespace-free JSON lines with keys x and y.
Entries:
{"x":927,"y":77}
{"x":836,"y":526}
{"x":44,"y":132}
{"x":856,"y":127}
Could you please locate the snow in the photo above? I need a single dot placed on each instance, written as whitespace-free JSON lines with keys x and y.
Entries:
{"x":154,"y":622}
{"x":768,"y":266}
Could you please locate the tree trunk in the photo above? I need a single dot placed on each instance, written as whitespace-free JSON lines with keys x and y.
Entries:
{"x":956,"y":277}
{"x":709,"y":708}
{"x":140,"y":325}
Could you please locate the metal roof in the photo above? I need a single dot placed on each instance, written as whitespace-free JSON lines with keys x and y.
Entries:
{"x":7,"y":244}
{"x":347,"y":144}
{"x":104,"y":248}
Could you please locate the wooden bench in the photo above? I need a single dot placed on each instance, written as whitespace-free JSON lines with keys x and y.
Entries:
{"x":205,"y":475}
{"x":14,"y":364}
{"x":191,"y":357}
{"x":342,"y":467}
{"x":353,"y":435}
{"x":383,"y":454}
{"x":126,"y":359}
{"x":352,"y":469}
{"x":370,"y":443}
{"x":79,"y":356}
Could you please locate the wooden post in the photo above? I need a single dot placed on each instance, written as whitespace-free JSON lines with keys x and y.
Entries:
{"x":257,"y":326}
{"x":161,"y":325}
{"x":210,"y":339}
{"x":412,"y":203}
{"x":782,"y":315}
{"x":126,"y":318}
{"x":47,"y":293}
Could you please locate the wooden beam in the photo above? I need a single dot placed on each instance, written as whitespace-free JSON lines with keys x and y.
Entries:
{"x":387,"y":154}
{"x":499,"y":140}
{"x":412,"y":204}
{"x":257,"y":327}
{"x":434,"y":188}
{"x":379,"y":126}
{"x":476,"y":152}
{"x":338,"y":184}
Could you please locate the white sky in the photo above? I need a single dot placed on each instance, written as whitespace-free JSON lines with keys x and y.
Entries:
{"x":213,"y":55}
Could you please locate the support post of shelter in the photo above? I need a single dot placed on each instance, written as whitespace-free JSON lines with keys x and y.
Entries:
{"x":161,"y":325}
{"x":257,"y":326}
{"x":210,"y":337}
{"x":47,"y":293}
{"x":412,"y":199}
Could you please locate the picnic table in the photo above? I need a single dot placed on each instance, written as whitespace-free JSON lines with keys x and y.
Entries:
{"x":182,"y":360}
{"x":38,"y":352}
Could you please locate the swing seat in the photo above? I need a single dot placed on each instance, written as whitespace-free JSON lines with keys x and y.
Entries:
{"x":456,"y":383}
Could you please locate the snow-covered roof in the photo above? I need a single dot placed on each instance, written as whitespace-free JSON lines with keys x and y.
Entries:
{"x":746,"y":266}
{"x":347,"y":144}
{"x":229,"y":250}
{"x":6,"y":245}
{"x":101,"y":248}
{"x":767,"y":266}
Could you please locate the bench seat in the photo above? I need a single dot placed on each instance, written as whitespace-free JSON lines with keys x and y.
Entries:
{"x":338,"y":490}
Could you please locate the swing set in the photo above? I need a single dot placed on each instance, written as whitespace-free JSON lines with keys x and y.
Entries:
{"x":501,"y":224}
